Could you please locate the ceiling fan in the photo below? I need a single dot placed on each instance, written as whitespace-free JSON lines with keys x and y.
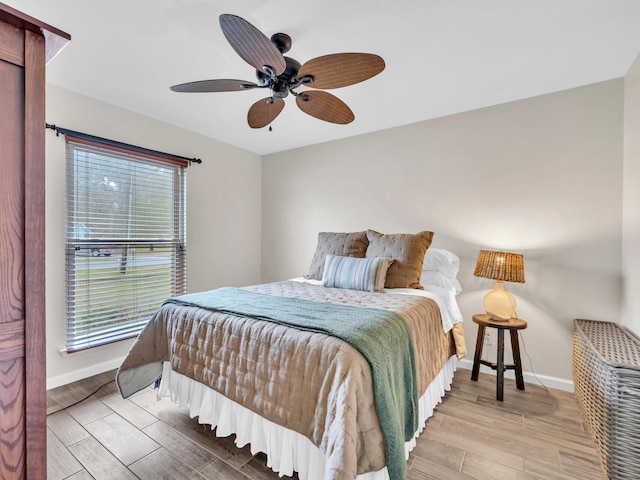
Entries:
{"x":283,"y":75}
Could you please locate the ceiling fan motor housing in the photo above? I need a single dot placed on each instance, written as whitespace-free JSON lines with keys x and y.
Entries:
{"x":280,"y":84}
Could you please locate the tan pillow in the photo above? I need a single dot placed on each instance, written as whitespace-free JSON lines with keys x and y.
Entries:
{"x":407,"y":250}
{"x":340,"y":244}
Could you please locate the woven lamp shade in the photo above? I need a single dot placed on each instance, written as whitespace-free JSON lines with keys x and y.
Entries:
{"x":504,"y":266}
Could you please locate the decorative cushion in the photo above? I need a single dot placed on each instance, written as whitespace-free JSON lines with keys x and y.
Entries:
{"x":407,"y":251}
{"x":342,"y":244}
{"x":367,"y":274}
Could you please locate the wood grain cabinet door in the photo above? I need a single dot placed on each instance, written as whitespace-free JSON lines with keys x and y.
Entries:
{"x":12,"y":301}
{"x":23,"y":422}
{"x":22,"y":301}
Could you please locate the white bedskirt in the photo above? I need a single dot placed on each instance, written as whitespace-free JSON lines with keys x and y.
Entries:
{"x":287,"y":451}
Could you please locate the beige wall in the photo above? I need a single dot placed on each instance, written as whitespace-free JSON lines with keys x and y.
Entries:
{"x":223,"y":214}
{"x":631,"y":200}
{"x":541,"y":176}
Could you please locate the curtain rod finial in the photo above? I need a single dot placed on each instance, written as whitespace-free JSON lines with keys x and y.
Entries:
{"x":52,"y":126}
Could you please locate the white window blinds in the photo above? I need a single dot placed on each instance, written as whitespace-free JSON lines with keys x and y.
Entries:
{"x":125,"y":240}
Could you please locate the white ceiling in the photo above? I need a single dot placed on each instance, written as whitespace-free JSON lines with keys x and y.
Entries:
{"x":442,"y":57}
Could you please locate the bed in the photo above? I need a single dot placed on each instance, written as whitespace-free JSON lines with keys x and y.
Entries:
{"x":263,"y":363}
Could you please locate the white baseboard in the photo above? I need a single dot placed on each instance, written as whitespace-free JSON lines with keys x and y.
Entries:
{"x":551,"y":382}
{"x":76,"y":375}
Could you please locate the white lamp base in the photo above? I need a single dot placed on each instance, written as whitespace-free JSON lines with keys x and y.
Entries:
{"x":500,"y":304}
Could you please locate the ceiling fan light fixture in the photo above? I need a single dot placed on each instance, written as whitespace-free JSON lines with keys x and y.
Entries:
{"x":280,"y":89}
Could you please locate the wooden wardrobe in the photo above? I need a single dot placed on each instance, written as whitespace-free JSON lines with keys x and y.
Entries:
{"x":25,"y":46}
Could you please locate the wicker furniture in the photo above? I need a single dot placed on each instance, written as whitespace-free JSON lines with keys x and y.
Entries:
{"x":513,"y":325}
{"x":606,"y":377}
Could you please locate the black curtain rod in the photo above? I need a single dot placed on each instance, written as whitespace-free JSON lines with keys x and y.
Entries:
{"x":113,"y":143}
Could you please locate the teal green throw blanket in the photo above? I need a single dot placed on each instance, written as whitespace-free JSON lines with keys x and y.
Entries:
{"x":382,"y":337}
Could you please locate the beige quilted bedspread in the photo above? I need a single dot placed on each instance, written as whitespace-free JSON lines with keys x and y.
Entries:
{"x":312,"y":383}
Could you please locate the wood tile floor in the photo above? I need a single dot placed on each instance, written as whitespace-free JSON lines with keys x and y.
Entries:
{"x":533,"y":434}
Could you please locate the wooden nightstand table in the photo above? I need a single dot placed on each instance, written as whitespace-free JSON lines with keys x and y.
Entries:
{"x":513,"y":325}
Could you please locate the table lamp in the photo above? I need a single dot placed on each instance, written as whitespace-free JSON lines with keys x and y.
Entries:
{"x":502,"y":267}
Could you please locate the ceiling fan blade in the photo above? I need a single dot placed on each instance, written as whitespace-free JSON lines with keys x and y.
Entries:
{"x":324,"y":106}
{"x":341,"y":69}
{"x":262,"y":113}
{"x":251,"y":44}
{"x":221,"y":85}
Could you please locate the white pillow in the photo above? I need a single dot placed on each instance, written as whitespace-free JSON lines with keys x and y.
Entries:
{"x":432,"y":277}
{"x":443,"y":261}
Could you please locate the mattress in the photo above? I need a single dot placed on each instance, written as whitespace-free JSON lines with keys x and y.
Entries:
{"x":310,"y":387}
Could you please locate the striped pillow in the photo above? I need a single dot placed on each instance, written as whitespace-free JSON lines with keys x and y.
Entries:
{"x":367,"y":274}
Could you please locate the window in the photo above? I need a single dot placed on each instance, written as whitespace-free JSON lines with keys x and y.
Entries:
{"x":125,"y":240}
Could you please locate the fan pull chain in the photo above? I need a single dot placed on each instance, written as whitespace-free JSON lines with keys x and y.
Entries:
{"x":270,"y":101}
